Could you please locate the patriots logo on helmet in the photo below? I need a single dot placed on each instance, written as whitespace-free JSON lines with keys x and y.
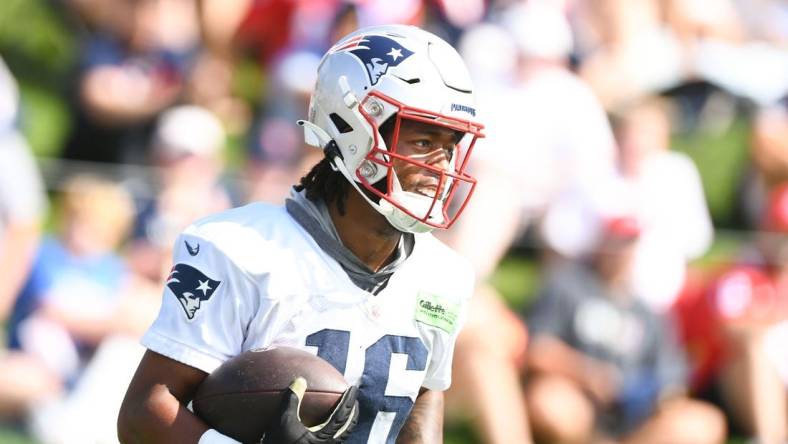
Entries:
{"x":376,"y":52}
{"x":191,"y":287}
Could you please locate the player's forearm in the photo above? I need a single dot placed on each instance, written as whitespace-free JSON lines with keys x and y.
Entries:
{"x":157,"y":417}
{"x":425,"y":423}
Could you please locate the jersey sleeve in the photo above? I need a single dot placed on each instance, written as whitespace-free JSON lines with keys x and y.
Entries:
{"x":207,"y":304}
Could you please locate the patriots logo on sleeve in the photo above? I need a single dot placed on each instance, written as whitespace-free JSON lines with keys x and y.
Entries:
{"x":191,"y":287}
{"x":376,"y":52}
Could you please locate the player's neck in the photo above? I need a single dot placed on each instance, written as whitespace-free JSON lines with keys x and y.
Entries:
{"x":365,"y":232}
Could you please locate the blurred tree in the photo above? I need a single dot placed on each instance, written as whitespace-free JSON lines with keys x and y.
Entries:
{"x":35,"y":39}
{"x":720,"y":157}
{"x":38,"y":40}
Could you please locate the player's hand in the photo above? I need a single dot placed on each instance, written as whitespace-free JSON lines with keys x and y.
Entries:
{"x":291,"y":430}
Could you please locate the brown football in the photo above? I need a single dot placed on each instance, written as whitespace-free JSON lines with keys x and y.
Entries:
{"x":243,"y":397}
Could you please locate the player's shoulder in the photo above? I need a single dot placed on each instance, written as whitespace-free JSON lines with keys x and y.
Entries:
{"x":434,"y":256}
{"x":254,"y":220}
{"x":249,"y":215}
{"x":242,"y":234}
{"x":431,"y":245}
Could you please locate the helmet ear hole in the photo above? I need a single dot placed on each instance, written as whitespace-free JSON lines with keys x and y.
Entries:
{"x":341,"y":125}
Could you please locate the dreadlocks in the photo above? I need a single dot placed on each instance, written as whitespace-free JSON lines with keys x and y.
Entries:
{"x":322,"y":182}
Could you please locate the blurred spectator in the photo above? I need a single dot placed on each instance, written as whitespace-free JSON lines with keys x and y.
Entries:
{"x":667,"y":195}
{"x":272,"y":27}
{"x":220,"y":20}
{"x":127,"y":76}
{"x":764,"y":20}
{"x":210,"y":86}
{"x":761,"y":70}
{"x":22,"y":207}
{"x":492,"y":343}
{"x":526,"y":107}
{"x":211,"y":82}
{"x":71,"y":299}
{"x":74,"y":328}
{"x":22,"y":197}
{"x":101,"y":15}
{"x":602,"y":358}
{"x":697,"y":20}
{"x":187,"y":151}
{"x":738,"y":328}
{"x":770,"y":144}
{"x":768,"y":164}
{"x":625,"y":49}
{"x":278,"y":155}
{"x":462,"y":13}
{"x":530,"y":148}
{"x":76,"y":279}
{"x":723,"y":47}
{"x":672,"y":206}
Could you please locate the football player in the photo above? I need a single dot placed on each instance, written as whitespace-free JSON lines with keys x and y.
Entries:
{"x":346,"y":269}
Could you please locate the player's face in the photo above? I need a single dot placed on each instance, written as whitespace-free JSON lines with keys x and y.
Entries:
{"x":429,"y":144}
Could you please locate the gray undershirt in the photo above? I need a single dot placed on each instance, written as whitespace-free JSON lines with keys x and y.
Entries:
{"x":316,"y":220}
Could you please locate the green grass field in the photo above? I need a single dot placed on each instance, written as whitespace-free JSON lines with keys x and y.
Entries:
{"x":8,"y":436}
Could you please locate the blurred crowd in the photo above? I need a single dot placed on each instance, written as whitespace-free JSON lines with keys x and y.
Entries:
{"x":627,"y":338}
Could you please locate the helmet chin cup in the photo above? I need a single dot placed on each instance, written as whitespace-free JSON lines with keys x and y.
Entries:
{"x":415,"y":203}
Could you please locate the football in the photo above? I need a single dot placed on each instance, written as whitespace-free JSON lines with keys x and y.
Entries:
{"x":243,"y":397}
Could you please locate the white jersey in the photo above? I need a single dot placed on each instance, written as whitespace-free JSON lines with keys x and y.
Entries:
{"x":252,"y":277}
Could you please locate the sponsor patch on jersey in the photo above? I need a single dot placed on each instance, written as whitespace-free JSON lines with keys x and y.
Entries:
{"x":191,"y":286}
{"x":437,"y":312}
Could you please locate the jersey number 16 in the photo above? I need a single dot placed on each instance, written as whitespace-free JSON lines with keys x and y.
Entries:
{"x":332,"y":346}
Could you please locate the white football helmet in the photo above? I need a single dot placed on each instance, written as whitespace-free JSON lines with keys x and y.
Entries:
{"x":405,"y":73}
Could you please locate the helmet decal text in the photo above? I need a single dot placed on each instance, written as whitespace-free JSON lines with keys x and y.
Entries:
{"x":463,"y":108}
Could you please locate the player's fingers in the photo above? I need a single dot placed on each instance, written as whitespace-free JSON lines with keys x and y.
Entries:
{"x":345,"y":406}
{"x":290,"y":429}
{"x":298,"y":386}
{"x":291,"y":403}
{"x":349,"y":425}
{"x":349,"y":397}
{"x":343,"y":411}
